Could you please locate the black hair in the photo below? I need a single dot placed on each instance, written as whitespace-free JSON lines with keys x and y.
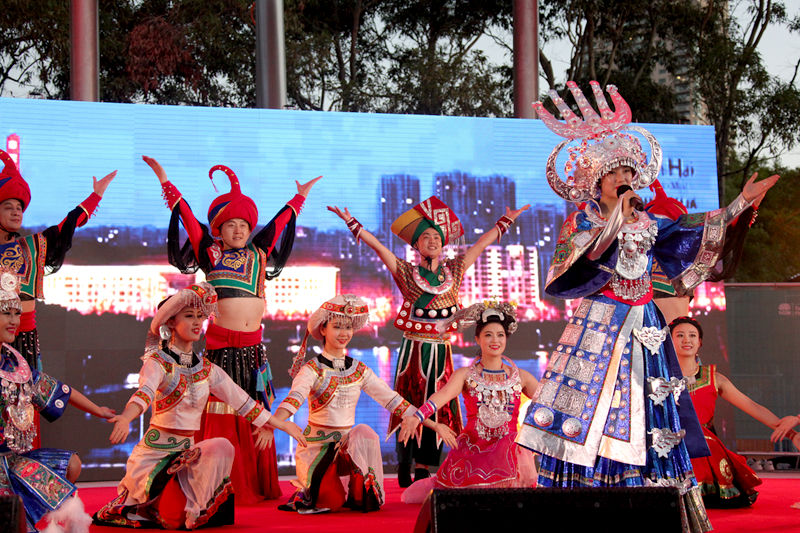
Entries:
{"x":494,"y":319}
{"x":686,"y":320}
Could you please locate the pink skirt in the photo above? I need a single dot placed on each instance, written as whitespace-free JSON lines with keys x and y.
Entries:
{"x":478,"y":463}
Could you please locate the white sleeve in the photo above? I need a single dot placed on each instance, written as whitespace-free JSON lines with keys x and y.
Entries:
{"x":379,"y":391}
{"x":301,"y":388}
{"x":150,"y":377}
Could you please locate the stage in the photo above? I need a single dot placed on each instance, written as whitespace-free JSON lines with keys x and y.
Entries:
{"x":777,"y":509}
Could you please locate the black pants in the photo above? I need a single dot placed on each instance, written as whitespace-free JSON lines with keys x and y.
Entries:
{"x":428,"y":453}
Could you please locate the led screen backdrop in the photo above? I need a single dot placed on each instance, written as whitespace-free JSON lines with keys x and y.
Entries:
{"x":95,"y":316}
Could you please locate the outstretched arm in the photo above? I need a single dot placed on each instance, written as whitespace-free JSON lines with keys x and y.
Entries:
{"x":739,"y":399}
{"x":197,"y":232}
{"x":492,"y":235}
{"x":283,"y":224}
{"x":122,"y":422}
{"x":753,"y":193}
{"x":85,"y":404}
{"x":358,"y":230}
{"x":451,"y":390}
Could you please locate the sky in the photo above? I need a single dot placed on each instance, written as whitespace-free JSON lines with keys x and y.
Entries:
{"x":779,"y":49}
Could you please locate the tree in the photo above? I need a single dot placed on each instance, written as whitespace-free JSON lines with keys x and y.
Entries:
{"x":435,"y":67}
{"x":334,"y":55}
{"x":770,"y":252}
{"x":753,"y":112}
{"x":621,"y":42}
{"x":396,"y":56}
{"x":346,"y":55}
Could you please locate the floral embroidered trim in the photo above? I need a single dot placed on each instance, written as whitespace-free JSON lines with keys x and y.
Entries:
{"x":172,"y":399}
{"x":400,"y":409}
{"x":253,"y":413}
{"x":143,"y":397}
{"x":40,"y":481}
{"x":23,"y":372}
{"x":203,"y":373}
{"x":327,"y":395}
{"x":292,"y":401}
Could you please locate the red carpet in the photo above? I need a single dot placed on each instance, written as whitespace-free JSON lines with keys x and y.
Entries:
{"x":777,"y":509}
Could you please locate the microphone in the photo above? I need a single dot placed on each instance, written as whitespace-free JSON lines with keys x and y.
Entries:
{"x":636,"y":202}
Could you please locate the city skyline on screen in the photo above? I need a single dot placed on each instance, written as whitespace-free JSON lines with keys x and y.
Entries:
{"x":377,"y":165}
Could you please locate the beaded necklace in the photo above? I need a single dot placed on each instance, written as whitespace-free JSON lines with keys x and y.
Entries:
{"x":17,"y":390}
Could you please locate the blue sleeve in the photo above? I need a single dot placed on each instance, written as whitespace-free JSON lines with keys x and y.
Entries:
{"x":678,"y":243}
{"x":582,"y":277}
{"x":50,"y":396}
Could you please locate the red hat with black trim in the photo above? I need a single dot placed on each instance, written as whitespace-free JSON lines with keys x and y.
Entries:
{"x":230,"y":205}
{"x":12,"y":184}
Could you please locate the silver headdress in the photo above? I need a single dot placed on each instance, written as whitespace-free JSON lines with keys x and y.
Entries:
{"x":481,"y":313}
{"x":9,"y":290}
{"x":342,"y":306}
{"x":201,"y":295}
{"x":604,"y":146}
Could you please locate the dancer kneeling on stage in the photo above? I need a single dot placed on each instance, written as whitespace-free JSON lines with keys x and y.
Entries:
{"x":332,"y":383}
{"x":485,"y":454}
{"x":724,"y":477}
{"x":170,"y":481}
{"x":43,"y":478}
{"x":237,"y":260}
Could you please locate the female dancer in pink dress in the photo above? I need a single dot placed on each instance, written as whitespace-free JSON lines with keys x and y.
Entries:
{"x":485,"y":455}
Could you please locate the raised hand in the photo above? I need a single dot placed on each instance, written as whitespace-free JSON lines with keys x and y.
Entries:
{"x":754,"y":191}
{"x":99,"y":186}
{"x":304,"y":188}
{"x":344,"y":215}
{"x":157,"y":168}
{"x":514,"y":213}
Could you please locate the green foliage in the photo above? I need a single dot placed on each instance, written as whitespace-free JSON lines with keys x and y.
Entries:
{"x":346,"y":55}
{"x":396,"y":56}
{"x":770,"y":252}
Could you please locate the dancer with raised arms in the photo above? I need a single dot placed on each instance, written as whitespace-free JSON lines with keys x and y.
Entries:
{"x":611,"y":408}
{"x":430,"y":294}
{"x":235,"y":262}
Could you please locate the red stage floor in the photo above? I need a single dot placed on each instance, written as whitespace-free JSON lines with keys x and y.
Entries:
{"x":777,"y":509}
